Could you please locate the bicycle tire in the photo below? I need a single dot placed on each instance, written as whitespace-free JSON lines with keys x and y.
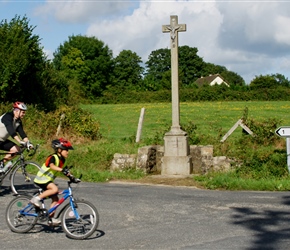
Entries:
{"x":85,"y":226}
{"x":22,"y":177}
{"x":16,"y":221}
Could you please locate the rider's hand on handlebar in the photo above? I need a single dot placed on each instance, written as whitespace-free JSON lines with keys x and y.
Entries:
{"x":26,"y":144}
{"x":65,"y":171}
{"x":73,"y":179}
{"x":29,"y":145}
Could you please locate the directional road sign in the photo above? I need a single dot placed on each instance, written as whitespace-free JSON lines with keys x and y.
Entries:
{"x":283,"y":131}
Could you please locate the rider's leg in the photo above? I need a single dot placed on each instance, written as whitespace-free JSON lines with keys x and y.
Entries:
{"x":11,"y":147}
{"x":49,"y":190}
{"x":11,"y":154}
{"x":54,"y":200}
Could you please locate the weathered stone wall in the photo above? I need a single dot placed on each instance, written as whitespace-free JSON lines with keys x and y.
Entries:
{"x":149,"y":160}
{"x":202,"y":158}
{"x":123,"y":161}
{"x":146,"y":159}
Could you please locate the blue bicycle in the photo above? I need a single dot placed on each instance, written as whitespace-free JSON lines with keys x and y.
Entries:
{"x":79,"y":218}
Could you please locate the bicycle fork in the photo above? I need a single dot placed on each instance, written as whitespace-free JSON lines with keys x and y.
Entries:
{"x":73,"y":206}
{"x":27,"y":178}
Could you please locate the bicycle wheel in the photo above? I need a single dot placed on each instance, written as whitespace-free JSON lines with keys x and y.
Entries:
{"x":84,"y":226}
{"x":22,"y":177}
{"x":20,"y":215}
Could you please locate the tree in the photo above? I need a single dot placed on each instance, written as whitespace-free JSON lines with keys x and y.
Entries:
{"x":232,"y":78}
{"x":22,"y":62}
{"x":281,"y":80}
{"x":190,"y":65}
{"x":127,"y":73}
{"x":266,"y":81}
{"x":159,"y":62}
{"x":159,"y":67}
{"x":88,"y":61}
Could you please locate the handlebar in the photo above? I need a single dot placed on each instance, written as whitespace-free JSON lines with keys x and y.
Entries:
{"x":22,"y":149}
{"x":31,"y":150}
{"x":73,"y":179}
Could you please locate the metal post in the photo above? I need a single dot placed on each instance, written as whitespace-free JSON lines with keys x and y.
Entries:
{"x":288,"y":152}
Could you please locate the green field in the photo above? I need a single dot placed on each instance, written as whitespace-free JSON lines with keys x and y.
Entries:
{"x":121,"y":120}
{"x":264,"y":162}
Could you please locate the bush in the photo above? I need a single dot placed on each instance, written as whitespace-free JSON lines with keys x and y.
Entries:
{"x":77,"y":124}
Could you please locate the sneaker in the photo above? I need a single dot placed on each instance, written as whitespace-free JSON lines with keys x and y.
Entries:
{"x":54,"y":222}
{"x":35,"y":201}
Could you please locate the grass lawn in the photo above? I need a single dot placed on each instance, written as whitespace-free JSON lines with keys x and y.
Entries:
{"x":121,"y":120}
{"x":212,"y":120}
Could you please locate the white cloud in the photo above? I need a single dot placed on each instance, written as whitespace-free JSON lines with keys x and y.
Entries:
{"x":248,"y":37}
{"x":141,"y":31}
{"x":282,"y":34}
{"x":84,"y":11}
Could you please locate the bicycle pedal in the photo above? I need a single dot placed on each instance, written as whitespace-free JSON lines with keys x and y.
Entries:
{"x":27,"y":179}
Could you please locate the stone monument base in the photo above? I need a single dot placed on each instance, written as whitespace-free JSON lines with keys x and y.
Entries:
{"x":177,"y":158}
{"x":176,"y":165}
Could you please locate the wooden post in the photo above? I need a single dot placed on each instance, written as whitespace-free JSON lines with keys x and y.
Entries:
{"x":140,"y":124}
{"x":59,"y":125}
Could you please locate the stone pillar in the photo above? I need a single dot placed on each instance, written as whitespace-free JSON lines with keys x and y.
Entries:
{"x":177,"y":159}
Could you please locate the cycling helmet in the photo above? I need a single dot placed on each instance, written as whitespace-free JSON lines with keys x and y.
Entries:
{"x":19,"y":105}
{"x":62,"y":144}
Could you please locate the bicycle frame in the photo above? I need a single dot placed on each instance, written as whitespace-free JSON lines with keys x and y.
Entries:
{"x":79,"y":219}
{"x":67,"y":193}
{"x":18,"y":161}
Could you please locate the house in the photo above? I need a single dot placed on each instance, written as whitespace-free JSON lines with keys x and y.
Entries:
{"x":211,"y":80}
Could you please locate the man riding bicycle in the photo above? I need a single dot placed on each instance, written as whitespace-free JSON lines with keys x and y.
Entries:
{"x":11,"y":125}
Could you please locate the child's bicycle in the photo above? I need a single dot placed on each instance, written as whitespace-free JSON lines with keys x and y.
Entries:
{"x":21,"y":172}
{"x":79,"y":218}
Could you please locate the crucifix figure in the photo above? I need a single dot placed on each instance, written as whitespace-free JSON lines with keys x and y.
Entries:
{"x":174,"y":28}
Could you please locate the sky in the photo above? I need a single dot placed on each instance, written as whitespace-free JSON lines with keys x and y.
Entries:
{"x":248,"y":37}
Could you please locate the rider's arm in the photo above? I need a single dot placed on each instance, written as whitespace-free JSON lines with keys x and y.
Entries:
{"x":21,"y":132}
{"x":54,"y":167}
{"x":7,"y":120}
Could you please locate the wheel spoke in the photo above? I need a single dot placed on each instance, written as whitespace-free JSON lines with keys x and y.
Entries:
{"x":20,"y":217}
{"x":83,"y":227}
{"x":23,"y":176}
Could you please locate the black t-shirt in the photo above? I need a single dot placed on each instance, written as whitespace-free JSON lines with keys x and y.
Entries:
{"x":51,"y":159}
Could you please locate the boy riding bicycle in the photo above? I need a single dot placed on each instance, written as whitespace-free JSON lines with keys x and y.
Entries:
{"x":44,"y":179}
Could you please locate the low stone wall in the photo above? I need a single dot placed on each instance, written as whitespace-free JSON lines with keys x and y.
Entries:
{"x":202,"y":158}
{"x":149,"y":160}
{"x":123,"y":161}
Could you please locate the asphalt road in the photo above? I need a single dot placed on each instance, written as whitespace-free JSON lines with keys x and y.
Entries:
{"x":136,"y":216}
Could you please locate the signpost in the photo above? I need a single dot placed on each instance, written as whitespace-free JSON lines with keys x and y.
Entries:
{"x":285,"y":132}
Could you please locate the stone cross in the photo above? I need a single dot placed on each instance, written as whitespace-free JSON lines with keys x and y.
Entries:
{"x":177,"y":159}
{"x":174,"y":28}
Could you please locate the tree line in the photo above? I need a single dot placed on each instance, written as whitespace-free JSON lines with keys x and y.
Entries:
{"x":83,"y":69}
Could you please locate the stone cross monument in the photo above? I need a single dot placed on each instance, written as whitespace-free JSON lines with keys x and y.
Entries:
{"x":176,"y":160}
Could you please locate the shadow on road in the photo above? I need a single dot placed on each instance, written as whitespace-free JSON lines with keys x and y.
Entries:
{"x":6,"y":190}
{"x":269,"y":227}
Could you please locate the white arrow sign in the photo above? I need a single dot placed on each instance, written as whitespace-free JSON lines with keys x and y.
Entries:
{"x":283,"y":131}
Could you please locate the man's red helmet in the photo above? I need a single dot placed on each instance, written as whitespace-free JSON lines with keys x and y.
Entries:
{"x":19,"y":105}
{"x":62,"y":144}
